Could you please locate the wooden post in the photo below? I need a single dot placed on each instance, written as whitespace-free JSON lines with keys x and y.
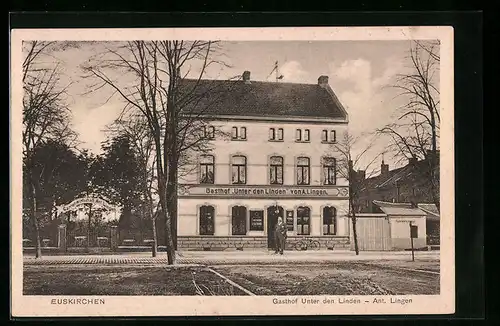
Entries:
{"x":411,"y":240}
{"x":61,"y":239}
{"x":113,"y":237}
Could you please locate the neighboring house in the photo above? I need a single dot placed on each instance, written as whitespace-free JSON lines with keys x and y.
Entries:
{"x":408,"y":184}
{"x":276,"y":160}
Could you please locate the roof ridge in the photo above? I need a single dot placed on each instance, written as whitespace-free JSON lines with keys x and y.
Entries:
{"x":251,"y":81}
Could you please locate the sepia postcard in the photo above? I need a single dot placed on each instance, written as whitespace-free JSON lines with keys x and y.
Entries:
{"x":232,"y":171}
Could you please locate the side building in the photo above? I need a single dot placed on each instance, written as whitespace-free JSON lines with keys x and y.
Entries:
{"x":271,"y":156}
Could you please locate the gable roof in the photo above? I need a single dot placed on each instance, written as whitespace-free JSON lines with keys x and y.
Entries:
{"x":407,"y":172}
{"x":238,"y":98}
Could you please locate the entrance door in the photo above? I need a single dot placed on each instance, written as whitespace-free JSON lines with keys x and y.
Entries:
{"x":272,"y":218}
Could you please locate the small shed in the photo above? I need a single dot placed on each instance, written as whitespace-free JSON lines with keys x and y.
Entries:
{"x":390,"y":230}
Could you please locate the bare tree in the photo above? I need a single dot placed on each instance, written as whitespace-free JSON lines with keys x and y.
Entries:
{"x":157,"y":70}
{"x":355,"y":165}
{"x":415,"y":133}
{"x":45,"y":116}
{"x":135,"y":128}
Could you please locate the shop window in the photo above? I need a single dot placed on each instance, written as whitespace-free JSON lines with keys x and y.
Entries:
{"x":207,"y":169}
{"x":239,"y":220}
{"x":207,"y":220}
{"x":329,"y":171}
{"x":329,"y":220}
{"x":303,"y":169}
{"x":303,"y":220}
{"x":239,"y":169}
{"x":276,"y":170}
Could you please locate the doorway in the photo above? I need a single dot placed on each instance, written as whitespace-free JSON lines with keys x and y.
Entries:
{"x":273,"y":212}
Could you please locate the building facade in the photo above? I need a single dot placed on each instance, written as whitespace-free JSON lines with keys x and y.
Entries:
{"x":274,"y":157}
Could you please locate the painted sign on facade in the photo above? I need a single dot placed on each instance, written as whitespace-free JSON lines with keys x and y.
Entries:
{"x":270,"y":191}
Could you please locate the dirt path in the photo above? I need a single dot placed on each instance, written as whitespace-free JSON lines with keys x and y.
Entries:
{"x":336,"y":279}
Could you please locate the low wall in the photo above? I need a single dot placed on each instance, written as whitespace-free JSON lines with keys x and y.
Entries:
{"x":216,"y":243}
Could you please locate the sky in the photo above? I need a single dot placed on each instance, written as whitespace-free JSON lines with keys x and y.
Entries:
{"x":359,"y":73}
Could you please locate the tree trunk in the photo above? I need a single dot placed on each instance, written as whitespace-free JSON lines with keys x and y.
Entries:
{"x":172,"y":200}
{"x":164,"y":205}
{"x":355,"y":234}
{"x":353,"y":217}
{"x":33,"y":204}
{"x":155,"y":239}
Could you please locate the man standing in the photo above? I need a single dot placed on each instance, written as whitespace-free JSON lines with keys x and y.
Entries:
{"x":280,"y":236}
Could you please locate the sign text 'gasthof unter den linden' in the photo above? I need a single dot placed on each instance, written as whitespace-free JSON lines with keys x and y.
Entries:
{"x":284,"y":191}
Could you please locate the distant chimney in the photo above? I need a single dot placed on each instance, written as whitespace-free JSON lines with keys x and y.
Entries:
{"x":246,"y":77}
{"x":323,"y":80}
{"x":384,"y":168}
{"x":412,"y":160}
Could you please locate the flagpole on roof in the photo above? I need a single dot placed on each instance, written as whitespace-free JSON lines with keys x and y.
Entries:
{"x":276,"y":69}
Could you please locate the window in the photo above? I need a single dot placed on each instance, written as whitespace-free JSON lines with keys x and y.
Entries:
{"x":328,"y":137}
{"x":298,"y":135}
{"x":306,"y":135}
{"x":324,"y":136}
{"x":276,"y":170}
{"x":302,"y":135}
{"x":329,"y":220}
{"x":280,"y":133}
{"x":207,"y":220}
{"x":209,"y":132}
{"x":207,"y":169}
{"x":239,"y":169}
{"x":303,"y":220}
{"x":329,"y":171}
{"x":276,"y":134}
{"x":272,"y":135}
{"x":239,"y":133}
{"x":239,"y":220}
{"x":303,"y":167}
{"x":333,"y":136}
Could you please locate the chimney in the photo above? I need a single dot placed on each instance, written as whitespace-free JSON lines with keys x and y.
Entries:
{"x":246,"y":77}
{"x":384,"y":168}
{"x":323,"y":81}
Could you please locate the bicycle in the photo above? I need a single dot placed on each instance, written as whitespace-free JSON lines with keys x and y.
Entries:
{"x":305,"y":244}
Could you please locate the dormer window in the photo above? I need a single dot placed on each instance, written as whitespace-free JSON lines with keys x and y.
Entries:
{"x":328,"y":136}
{"x":239,"y":133}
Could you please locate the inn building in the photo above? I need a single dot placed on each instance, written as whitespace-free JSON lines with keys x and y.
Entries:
{"x":273,"y":157}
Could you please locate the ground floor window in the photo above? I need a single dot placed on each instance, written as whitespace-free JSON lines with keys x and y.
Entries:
{"x":303,"y":220}
{"x":329,"y":220}
{"x":239,"y":220}
{"x":207,"y":220}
